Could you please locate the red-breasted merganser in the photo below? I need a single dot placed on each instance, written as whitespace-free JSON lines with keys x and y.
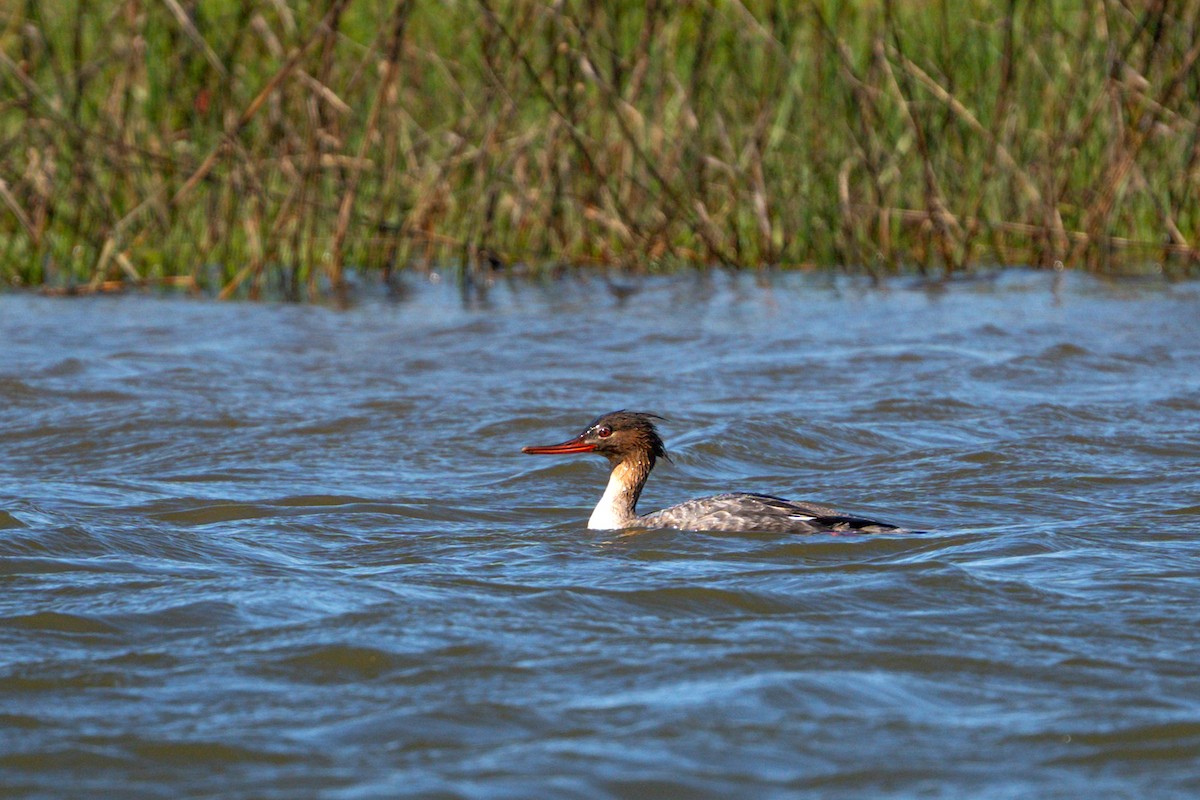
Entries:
{"x":631,"y":444}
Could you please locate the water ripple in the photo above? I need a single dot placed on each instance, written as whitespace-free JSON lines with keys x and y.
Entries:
{"x":280,"y":551}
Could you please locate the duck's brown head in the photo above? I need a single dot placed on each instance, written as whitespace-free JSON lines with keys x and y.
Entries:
{"x":618,"y":436}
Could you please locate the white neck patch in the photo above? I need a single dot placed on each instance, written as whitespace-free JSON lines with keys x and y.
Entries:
{"x":611,"y":513}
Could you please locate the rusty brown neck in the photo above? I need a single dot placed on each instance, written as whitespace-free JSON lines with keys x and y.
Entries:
{"x":618,"y":507}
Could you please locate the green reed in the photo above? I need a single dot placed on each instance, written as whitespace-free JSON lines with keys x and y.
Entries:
{"x":273,"y":144}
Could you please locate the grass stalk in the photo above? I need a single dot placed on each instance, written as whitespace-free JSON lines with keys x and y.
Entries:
{"x":263,"y":146}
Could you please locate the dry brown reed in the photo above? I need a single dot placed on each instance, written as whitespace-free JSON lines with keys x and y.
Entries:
{"x":273,"y":145}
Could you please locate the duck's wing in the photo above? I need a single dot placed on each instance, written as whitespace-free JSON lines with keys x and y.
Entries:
{"x":758,"y":512}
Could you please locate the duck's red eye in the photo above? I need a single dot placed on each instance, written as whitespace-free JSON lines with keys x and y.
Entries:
{"x":604,"y":431}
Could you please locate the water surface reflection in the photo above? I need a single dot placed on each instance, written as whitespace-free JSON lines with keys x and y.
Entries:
{"x":274,"y":550}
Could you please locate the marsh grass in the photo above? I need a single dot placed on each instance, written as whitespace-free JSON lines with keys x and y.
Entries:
{"x":270,"y":145}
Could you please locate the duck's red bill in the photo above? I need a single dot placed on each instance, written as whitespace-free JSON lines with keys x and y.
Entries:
{"x":576,"y":445}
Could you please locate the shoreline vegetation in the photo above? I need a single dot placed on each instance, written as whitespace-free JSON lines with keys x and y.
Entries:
{"x":267,"y":147}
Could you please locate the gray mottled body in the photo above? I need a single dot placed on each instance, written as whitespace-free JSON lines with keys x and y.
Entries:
{"x":758,"y":512}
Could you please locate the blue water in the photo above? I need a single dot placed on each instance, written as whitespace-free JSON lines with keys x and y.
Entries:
{"x":277,"y":551}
